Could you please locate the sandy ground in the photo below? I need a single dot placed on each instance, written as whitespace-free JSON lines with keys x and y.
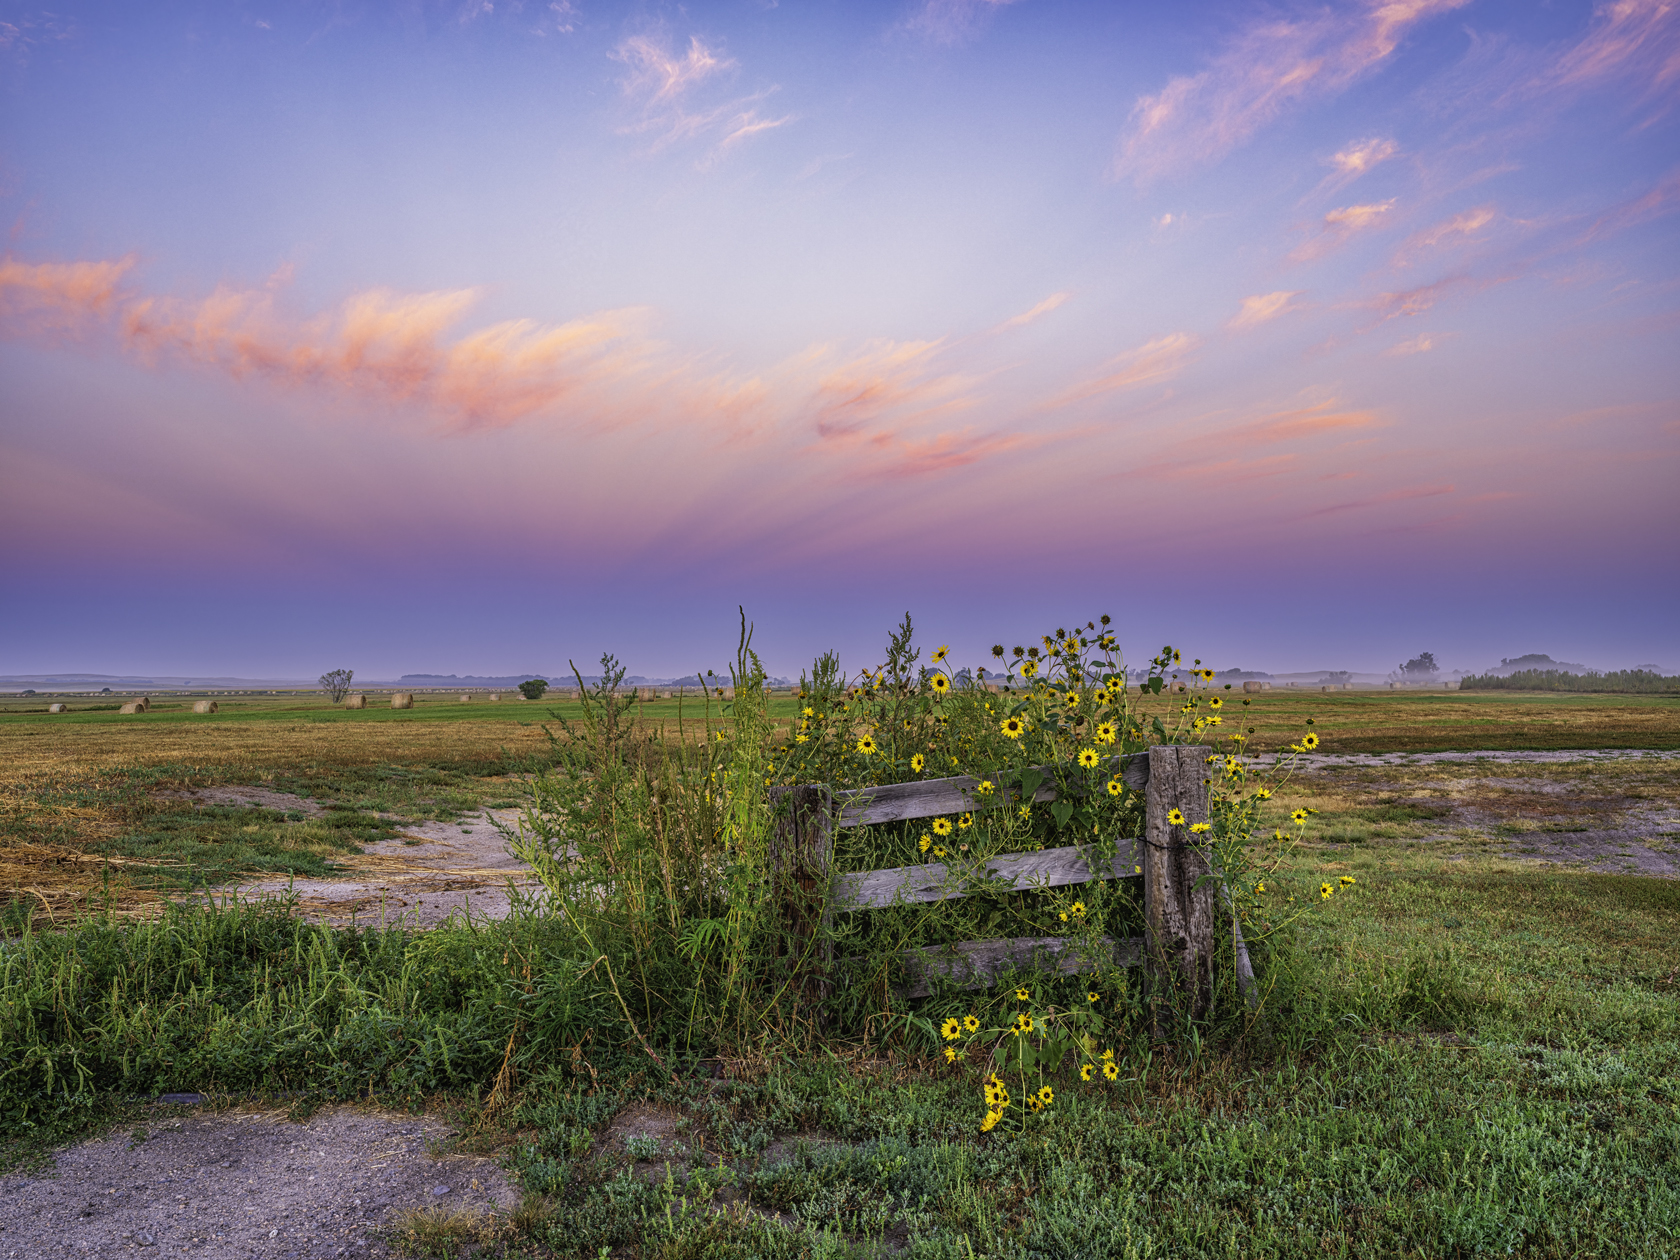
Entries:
{"x":422,"y":876}
{"x":237,"y":1185}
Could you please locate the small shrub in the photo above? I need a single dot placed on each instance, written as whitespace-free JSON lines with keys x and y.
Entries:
{"x":533,"y":688}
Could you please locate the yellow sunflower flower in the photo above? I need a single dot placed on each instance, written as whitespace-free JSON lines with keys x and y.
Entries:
{"x":1106,"y":734}
{"x":971,"y":1023}
{"x":1309,"y":741}
{"x":867,"y":746}
{"x":1115,"y":787}
{"x":990,"y":1122}
{"x":1175,"y":817}
{"x":1013,"y":727}
{"x":917,"y":762}
{"x":941,"y":653}
{"x":940,"y":684}
{"x":950,"y":1030}
{"x":925,"y":843}
{"x":1111,"y":1070}
{"x":1088,"y":758}
{"x":1085,"y":1071}
{"x":941,"y":826}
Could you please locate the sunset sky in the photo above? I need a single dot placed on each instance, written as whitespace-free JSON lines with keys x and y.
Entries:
{"x":473,"y":337}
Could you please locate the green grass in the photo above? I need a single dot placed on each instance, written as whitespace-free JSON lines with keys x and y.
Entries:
{"x":1463,"y":1062}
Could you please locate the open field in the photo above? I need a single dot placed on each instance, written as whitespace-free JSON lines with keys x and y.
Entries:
{"x":1474,"y":1049}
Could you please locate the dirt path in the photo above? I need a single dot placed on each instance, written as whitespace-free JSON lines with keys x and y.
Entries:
{"x":241,"y":1185}
{"x":422,"y":876}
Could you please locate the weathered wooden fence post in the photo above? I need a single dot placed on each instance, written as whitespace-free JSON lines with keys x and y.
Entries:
{"x":801,"y":856}
{"x":1178,"y":895}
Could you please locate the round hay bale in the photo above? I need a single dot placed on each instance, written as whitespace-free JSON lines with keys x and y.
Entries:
{"x":133,"y":706}
{"x":145,"y":703}
{"x":466,"y":699}
{"x":496,"y":697}
{"x":402,"y":700}
{"x":1252,"y":686}
{"x":666,"y":694}
{"x":644,"y":693}
{"x":58,"y":708}
{"x":355,"y":700}
{"x":204,"y":706}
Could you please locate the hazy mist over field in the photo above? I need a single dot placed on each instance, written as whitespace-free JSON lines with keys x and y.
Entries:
{"x":460,"y":338}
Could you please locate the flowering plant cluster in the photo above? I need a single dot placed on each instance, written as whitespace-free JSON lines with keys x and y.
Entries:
{"x":1029,"y":1046}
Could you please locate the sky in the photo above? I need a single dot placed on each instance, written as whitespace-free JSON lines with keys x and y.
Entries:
{"x":479,"y":336}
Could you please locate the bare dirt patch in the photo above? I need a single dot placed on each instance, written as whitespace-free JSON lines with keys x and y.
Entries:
{"x":1609,"y":812}
{"x":242,"y":1184}
{"x":430,"y":871}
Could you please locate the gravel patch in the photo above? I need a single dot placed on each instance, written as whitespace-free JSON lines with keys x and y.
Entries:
{"x":243,"y":1185}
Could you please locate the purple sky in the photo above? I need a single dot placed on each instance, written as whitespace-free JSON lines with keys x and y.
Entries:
{"x":472,"y":337}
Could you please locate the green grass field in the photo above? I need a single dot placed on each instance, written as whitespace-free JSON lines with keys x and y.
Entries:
{"x":1466,"y":1053}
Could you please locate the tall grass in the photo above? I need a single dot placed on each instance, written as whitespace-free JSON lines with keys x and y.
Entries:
{"x":1627,"y":681}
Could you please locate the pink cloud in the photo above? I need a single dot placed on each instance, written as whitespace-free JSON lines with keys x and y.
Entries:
{"x":1653,"y":204}
{"x":1026,"y":317}
{"x":953,"y":21}
{"x":1262,"y":307}
{"x":888,"y":379}
{"x":1423,"y":343}
{"x":1271,"y":65}
{"x":1358,"y":158}
{"x":1338,"y":226}
{"x":1376,"y":500}
{"x":1153,"y":362}
{"x":394,"y":348}
{"x":1458,"y":229}
{"x":1631,"y":42}
{"x":662,"y":80}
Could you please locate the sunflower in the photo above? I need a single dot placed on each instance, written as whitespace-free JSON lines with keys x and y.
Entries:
{"x":917,"y":762}
{"x":1085,"y":1071}
{"x":1232,"y":765}
{"x":807,"y":711}
{"x":941,"y":826}
{"x":965,"y":821}
{"x":971,"y":1023}
{"x":950,"y":1055}
{"x":1309,"y":741}
{"x":990,"y":1122}
{"x":1021,"y":995}
{"x":1088,"y":758}
{"x":1046,"y":1096}
{"x":867,"y":746}
{"x":941,"y":653}
{"x":1033,"y":1105}
{"x":925,"y":843}
{"x":1024,"y":1021}
{"x":938,"y":850}
{"x":1216,"y":703}
{"x":1013,"y":727}
{"x":1029,"y":669}
{"x":950,"y":1030}
{"x":1115,"y":787}
{"x":1106,"y":734}
{"x":1324,"y":891}
{"x":1262,"y":794}
{"x":1111,"y":1070}
{"x":1093,"y":997}
{"x":1175,"y":817}
{"x":940,"y":684}
{"x":1346,"y":881}
{"x":1298,"y":817}
{"x":1071,"y":700}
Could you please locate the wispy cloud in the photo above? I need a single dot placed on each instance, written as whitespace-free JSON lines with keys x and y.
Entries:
{"x":1417,"y":301}
{"x":1423,"y":343}
{"x":1459,"y":228}
{"x":1026,"y":317}
{"x":1377,"y":500}
{"x":1271,"y":65}
{"x":664,"y":81}
{"x":952,"y":21}
{"x":389,"y":347}
{"x":1633,"y":44}
{"x":1262,"y":307}
{"x":1296,"y":424}
{"x":886,"y":385}
{"x":1152,"y":363}
{"x":1339,"y":225}
{"x":1652,"y":204}
{"x":1358,"y":158}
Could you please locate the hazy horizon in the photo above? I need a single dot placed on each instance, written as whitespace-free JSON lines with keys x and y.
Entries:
{"x":1307,"y":337}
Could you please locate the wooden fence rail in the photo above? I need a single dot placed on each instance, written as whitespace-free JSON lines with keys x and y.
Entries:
{"x":1178,"y":889}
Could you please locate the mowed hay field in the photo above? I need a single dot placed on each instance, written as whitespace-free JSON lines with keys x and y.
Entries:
{"x":92,"y":801}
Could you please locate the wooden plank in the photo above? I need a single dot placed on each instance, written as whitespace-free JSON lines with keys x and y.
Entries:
{"x":978,"y":964}
{"x":870,"y":890}
{"x":801,"y":856}
{"x":899,"y":802}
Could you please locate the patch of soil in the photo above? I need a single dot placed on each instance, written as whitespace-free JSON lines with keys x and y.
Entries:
{"x":422,"y":876}
{"x":240,"y":1185}
{"x":1599,"y":826}
{"x":253,"y":798}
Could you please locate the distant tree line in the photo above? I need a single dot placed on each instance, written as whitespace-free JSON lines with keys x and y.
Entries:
{"x":1638,"y":681}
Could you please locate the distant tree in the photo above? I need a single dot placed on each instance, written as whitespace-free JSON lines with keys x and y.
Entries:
{"x":533,"y":688}
{"x":1421,"y":666}
{"x":337,"y":683}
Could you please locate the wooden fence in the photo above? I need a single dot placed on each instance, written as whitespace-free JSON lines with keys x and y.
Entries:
{"x":1183,"y":904}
